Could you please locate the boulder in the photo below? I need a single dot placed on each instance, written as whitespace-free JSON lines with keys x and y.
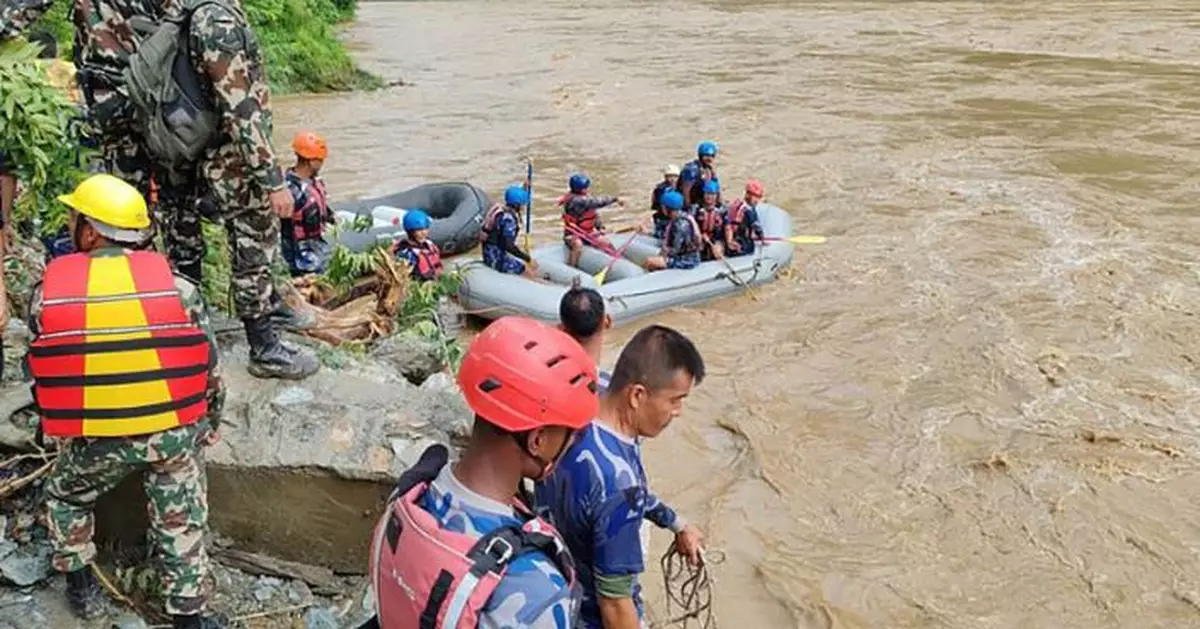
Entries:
{"x":415,"y":357}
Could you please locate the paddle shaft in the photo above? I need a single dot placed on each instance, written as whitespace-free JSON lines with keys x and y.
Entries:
{"x":528,"y":204}
{"x":620,"y":253}
{"x":579,"y":233}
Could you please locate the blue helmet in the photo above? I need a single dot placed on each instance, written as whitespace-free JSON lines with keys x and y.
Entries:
{"x":707,"y":148}
{"x":516,"y":196}
{"x":579,"y":182}
{"x":672,"y":200}
{"x":416,"y":219}
{"x":712,"y":187}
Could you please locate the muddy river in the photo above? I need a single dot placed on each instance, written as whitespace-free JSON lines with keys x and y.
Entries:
{"x":975,"y":406}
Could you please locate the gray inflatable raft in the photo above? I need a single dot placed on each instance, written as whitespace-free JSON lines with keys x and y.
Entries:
{"x":630,"y":292}
{"x":457,"y":210}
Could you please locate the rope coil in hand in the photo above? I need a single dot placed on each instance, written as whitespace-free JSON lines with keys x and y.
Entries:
{"x":688,"y":587}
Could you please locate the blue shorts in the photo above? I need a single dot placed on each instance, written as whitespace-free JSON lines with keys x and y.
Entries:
{"x":683,"y":262}
{"x":503,"y":261}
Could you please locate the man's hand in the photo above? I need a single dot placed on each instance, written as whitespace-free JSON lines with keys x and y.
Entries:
{"x":281,"y":203}
{"x":734,"y":246}
{"x":688,"y":543}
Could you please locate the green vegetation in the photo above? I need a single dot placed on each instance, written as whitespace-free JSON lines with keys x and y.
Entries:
{"x":36,"y":136}
{"x":299,"y":40}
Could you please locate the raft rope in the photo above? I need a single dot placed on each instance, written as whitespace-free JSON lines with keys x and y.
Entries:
{"x":689,"y":588}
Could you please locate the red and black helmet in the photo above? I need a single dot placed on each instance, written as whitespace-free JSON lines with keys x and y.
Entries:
{"x":520,"y":374}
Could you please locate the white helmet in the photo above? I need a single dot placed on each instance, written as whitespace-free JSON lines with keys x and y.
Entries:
{"x":671,"y":169}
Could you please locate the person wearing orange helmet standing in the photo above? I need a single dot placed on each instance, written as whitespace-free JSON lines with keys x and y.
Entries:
{"x":456,"y":547}
{"x":302,"y":237}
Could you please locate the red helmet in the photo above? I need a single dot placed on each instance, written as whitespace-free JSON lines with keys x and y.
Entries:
{"x":309,"y":145}
{"x":754,"y":187}
{"x":520,"y":374}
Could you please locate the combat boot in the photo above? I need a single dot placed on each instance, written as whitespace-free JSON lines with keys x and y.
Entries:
{"x":290,"y":319}
{"x":84,"y":594}
{"x":272,"y":358}
{"x":219,"y":621}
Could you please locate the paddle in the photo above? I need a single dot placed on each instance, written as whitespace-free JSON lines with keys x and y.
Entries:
{"x":799,"y":240}
{"x":619,"y":254}
{"x":591,"y":240}
{"x":529,"y":204}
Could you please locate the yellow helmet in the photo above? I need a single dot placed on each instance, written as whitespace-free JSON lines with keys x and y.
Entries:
{"x":114,"y":207}
{"x":109,"y":200}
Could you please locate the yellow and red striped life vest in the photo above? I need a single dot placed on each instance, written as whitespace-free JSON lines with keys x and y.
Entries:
{"x":117,"y":353}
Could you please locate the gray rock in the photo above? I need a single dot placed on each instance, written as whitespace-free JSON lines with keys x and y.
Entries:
{"x":445,"y":406}
{"x":129,"y":622}
{"x":264,"y":592}
{"x":414,"y":357}
{"x":26,"y":565}
{"x":298,"y":592}
{"x":293,"y":396}
{"x":320,"y":618}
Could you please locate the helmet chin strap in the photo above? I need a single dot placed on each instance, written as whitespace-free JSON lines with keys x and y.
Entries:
{"x":523,"y":442}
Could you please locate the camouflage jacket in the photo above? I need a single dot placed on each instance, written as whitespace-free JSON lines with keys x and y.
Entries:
{"x":223,"y":50}
{"x":193,"y":303}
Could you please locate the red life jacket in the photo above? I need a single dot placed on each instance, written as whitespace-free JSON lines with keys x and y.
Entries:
{"x":693,"y":244}
{"x":427,"y":577}
{"x":585,"y":220}
{"x":117,"y":353}
{"x":429,"y":258}
{"x":737,"y":210}
{"x":488,"y":232}
{"x":308,"y":219}
{"x":712,"y":223}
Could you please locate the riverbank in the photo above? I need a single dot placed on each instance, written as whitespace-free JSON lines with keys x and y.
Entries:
{"x":299,"y":39}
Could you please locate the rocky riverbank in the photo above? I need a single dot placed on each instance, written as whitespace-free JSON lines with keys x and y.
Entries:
{"x":295,"y":485}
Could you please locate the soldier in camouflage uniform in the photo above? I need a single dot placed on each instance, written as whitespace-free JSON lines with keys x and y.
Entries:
{"x":170,"y":461}
{"x":239,"y":171}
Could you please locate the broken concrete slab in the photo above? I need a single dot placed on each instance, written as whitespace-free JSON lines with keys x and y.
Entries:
{"x":303,"y":468}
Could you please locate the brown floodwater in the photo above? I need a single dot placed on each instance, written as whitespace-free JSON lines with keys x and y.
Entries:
{"x":976,"y":405}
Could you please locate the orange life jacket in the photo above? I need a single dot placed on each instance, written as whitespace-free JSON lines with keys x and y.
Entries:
{"x":578,"y":215}
{"x":428,"y":257}
{"x":712,"y":223}
{"x":117,"y":353}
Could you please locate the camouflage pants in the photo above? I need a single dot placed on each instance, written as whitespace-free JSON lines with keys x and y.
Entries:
{"x":250,"y":226}
{"x":173,"y":477}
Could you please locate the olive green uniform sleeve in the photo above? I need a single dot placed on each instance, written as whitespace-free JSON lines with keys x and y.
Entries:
{"x":229,"y":55}
{"x":619,"y":586}
{"x":17,"y":15}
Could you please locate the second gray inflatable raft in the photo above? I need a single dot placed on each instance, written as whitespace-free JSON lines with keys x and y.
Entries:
{"x":629,"y":291}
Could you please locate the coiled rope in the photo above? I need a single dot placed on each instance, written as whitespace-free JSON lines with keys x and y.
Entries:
{"x":688,"y":589}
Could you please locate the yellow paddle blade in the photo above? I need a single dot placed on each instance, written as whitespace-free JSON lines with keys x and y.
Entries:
{"x":600,"y":276}
{"x":807,"y":240}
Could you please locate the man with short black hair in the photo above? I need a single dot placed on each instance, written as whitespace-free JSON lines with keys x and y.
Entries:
{"x":598,"y":495}
{"x":581,"y":314}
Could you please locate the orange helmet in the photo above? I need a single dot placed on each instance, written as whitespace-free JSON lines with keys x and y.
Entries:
{"x":754,"y":187}
{"x":310,"y":145}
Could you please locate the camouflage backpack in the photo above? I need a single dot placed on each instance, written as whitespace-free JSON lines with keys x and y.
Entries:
{"x":175,"y":114}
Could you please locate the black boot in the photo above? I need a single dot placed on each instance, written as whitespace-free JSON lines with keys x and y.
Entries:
{"x":272,"y":358}
{"x":84,"y":594}
{"x":289,"y":319}
{"x":219,"y":621}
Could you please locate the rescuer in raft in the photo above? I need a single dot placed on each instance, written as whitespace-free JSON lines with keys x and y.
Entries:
{"x":670,"y":182}
{"x":710,"y":217}
{"x":498,"y":236}
{"x":457,"y":546}
{"x":742,"y":224}
{"x":125,"y":371}
{"x":681,"y":242}
{"x":581,"y":217}
{"x":422,"y":255}
{"x":302,"y":237}
{"x":698,"y":172}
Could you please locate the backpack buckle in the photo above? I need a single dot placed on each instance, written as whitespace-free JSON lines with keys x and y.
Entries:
{"x":499,"y":549}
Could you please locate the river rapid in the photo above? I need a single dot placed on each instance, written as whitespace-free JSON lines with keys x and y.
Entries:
{"x":975,"y":406}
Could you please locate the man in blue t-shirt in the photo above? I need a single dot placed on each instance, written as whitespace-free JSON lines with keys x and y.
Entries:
{"x":598,"y":495}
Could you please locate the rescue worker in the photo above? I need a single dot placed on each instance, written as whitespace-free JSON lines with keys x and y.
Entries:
{"x":498,"y":236}
{"x":581,"y":314}
{"x":710,"y":217}
{"x":581,"y":217}
{"x":532,"y":388}
{"x":220,"y":128}
{"x":422,"y":255}
{"x":125,"y":372}
{"x":302,"y":235}
{"x":599,"y":494}
{"x":669,"y":182}
{"x":698,"y":172}
{"x":681,"y":241}
{"x":742,"y":225}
